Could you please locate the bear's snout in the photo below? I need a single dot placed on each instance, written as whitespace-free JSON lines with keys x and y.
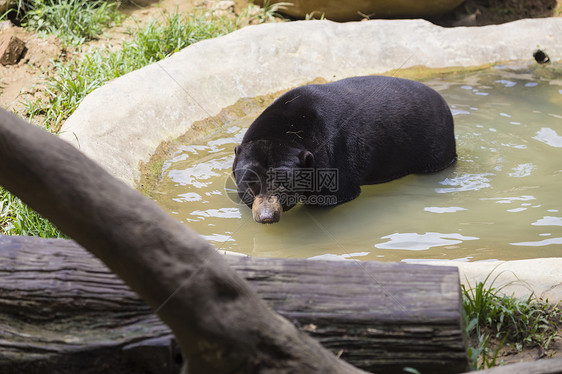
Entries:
{"x":266,"y":209}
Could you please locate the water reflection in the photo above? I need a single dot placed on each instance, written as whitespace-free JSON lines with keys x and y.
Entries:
{"x":506,"y":83}
{"x":334,"y":257}
{"x":187,"y":197}
{"x":421,"y":242}
{"x":444,"y":261}
{"x":218,"y":213}
{"x":522,"y":170}
{"x":199,"y":174}
{"x":509,"y":200}
{"x":465,"y":182}
{"x":447,"y":209}
{"x":548,"y":221}
{"x":541,"y":243}
{"x":218,"y":238}
{"x":549,"y":136}
{"x":500,"y":201}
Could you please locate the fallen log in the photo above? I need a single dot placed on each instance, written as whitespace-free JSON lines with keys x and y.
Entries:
{"x":62,"y":310}
{"x":220,"y":323}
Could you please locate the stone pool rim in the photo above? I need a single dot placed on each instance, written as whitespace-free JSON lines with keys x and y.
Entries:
{"x":122,"y":123}
{"x":157,"y":103}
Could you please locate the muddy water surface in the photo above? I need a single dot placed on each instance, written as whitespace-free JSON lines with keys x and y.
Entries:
{"x":502,"y":200}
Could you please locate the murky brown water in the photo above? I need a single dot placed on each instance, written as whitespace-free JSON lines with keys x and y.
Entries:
{"x":502,"y":200}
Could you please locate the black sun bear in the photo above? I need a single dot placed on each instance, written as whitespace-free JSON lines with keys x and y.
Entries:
{"x":317,"y":144}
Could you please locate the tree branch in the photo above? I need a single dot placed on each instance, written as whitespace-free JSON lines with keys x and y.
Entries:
{"x":220,"y":323}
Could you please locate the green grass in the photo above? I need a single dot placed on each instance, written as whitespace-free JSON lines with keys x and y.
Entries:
{"x":267,"y":13}
{"x":74,"y":80}
{"x":494,"y":320}
{"x":16,"y":218}
{"x":72,"y":21}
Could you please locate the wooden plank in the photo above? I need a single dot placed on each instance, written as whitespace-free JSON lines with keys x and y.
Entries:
{"x":61,"y":307}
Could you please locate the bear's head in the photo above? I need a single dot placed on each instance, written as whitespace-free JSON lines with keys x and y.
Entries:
{"x":265,"y":173}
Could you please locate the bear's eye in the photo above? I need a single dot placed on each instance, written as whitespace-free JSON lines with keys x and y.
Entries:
{"x":253,"y":186}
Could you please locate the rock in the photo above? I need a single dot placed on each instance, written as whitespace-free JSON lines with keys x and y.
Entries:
{"x":19,"y":81}
{"x":225,"y":5}
{"x":120,"y":124}
{"x":39,"y":51}
{"x":161,"y":101}
{"x":6,"y":25}
{"x":221,"y":8}
{"x":518,"y":278}
{"x":11,"y":49}
{"x":338,"y":10}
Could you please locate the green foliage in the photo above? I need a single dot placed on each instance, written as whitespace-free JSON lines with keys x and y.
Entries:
{"x":74,"y":80}
{"x":72,"y":21}
{"x":267,"y":13}
{"x":16,"y":218}
{"x":64,"y":91}
{"x":157,"y":41}
{"x":490,"y":315}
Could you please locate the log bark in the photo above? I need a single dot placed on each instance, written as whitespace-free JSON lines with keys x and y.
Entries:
{"x":58,"y":303}
{"x":219,"y":322}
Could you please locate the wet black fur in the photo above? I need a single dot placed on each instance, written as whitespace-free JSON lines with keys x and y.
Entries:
{"x":372,"y":129}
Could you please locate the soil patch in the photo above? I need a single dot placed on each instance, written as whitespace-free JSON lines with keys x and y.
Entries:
{"x":27,"y":76}
{"x":512,"y":353}
{"x":26,"y":80}
{"x":22,"y":82}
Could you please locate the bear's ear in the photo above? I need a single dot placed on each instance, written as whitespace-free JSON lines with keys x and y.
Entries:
{"x":236,"y":153}
{"x":306,"y":158}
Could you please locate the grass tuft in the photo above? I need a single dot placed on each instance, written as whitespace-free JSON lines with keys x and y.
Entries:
{"x":76,"y":21}
{"x":494,"y":320}
{"x":72,"y":21}
{"x":16,"y":218}
{"x":74,"y":80}
{"x":268,"y":12}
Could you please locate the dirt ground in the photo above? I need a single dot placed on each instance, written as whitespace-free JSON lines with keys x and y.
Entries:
{"x":510,"y":354}
{"x":24,"y":80}
{"x":21,"y":82}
